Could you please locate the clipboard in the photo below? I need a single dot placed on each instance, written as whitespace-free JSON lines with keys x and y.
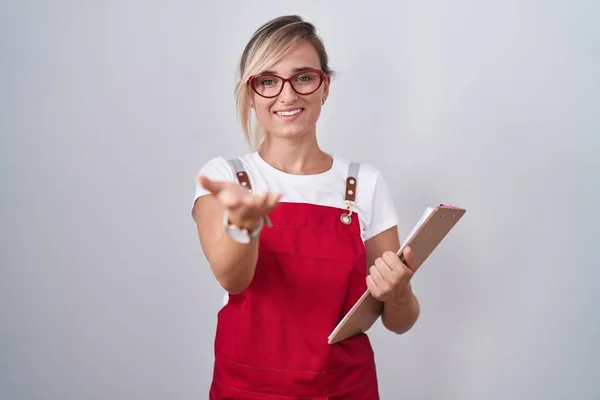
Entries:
{"x":432,"y":228}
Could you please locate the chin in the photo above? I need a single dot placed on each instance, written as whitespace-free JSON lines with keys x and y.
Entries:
{"x":291,"y":132}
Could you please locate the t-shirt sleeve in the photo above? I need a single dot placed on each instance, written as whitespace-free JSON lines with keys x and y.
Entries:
{"x":383,"y":211}
{"x":217,"y":169}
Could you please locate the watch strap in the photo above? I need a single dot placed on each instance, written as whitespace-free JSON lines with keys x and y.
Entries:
{"x":246,"y":233}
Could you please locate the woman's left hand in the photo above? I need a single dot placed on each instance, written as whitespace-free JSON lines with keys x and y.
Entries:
{"x":389,"y":277}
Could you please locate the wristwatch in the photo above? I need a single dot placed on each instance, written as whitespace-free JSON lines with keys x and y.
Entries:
{"x":243,"y":235}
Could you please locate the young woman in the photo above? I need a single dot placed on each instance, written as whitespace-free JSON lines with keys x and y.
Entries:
{"x":295,"y":236}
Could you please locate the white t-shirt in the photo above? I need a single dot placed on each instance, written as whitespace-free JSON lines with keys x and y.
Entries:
{"x":373,"y":201}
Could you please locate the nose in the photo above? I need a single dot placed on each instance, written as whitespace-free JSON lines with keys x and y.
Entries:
{"x":287,"y":94}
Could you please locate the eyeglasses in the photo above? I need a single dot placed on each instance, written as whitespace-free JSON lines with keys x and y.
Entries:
{"x":303,"y":83}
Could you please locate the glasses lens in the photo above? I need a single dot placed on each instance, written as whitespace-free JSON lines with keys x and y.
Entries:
{"x":306,"y":83}
{"x":267,"y":85}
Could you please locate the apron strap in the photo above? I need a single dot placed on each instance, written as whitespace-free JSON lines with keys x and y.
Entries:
{"x":350,"y":194}
{"x":240,"y":173}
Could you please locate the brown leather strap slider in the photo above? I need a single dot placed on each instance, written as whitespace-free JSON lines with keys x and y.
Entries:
{"x":351,"y":182}
{"x":350,"y":189}
{"x":240,"y":173}
{"x":243,"y":179}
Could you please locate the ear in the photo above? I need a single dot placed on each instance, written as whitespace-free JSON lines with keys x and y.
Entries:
{"x":326,"y":85}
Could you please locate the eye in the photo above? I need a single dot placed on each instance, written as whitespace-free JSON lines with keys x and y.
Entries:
{"x":267,"y":82}
{"x":304,"y":78}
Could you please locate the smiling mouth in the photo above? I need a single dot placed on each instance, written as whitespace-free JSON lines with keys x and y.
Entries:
{"x":289,"y":113}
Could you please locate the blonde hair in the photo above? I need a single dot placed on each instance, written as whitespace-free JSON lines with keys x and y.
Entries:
{"x":269,"y":43}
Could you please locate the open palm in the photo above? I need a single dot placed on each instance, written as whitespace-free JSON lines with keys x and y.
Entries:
{"x":242,"y":204}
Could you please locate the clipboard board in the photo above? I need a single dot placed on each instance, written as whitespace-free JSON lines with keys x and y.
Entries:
{"x":428,"y":233}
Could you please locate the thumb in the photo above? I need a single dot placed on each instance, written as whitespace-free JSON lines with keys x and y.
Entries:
{"x":409,"y":259}
{"x":212,"y":186}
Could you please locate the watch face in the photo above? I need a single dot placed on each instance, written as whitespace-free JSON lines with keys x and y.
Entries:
{"x":238,"y":235}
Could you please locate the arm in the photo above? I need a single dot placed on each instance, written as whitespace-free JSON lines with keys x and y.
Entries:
{"x":389,"y":281}
{"x":232,"y":263}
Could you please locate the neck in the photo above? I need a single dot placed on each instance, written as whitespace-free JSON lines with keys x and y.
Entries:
{"x":295,"y":157}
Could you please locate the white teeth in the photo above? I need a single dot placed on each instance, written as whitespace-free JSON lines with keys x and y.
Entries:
{"x":288,"y":113}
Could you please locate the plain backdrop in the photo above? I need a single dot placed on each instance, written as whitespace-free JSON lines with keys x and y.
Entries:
{"x":109,"y":108}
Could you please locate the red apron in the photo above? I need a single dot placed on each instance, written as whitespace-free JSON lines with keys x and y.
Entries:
{"x":271,"y":339}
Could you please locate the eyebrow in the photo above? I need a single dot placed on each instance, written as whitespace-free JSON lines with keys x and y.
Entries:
{"x":299,"y":69}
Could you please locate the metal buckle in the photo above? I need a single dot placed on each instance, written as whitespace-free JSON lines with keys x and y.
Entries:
{"x":347,"y":216}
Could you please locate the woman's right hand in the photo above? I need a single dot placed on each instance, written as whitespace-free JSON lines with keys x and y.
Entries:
{"x":245,"y":208}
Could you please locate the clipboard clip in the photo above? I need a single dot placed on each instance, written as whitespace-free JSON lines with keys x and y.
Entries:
{"x":448,"y":205}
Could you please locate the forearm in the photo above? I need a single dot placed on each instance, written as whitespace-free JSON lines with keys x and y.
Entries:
{"x":233,"y":263}
{"x":400,"y":315}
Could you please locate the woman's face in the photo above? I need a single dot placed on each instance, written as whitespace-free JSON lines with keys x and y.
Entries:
{"x":291,"y":115}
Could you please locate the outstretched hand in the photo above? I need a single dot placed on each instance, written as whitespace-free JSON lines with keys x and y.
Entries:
{"x":245,"y":208}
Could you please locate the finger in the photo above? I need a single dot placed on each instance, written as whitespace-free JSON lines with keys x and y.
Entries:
{"x":210,"y":185}
{"x":261,"y":201}
{"x":248,"y":206}
{"x":384,"y":268}
{"x":399,"y":271}
{"x":392,"y":274}
{"x":372,"y":286}
{"x":409,"y":259}
{"x":247,"y":199}
{"x":394,"y":262}
{"x":232,"y":199}
{"x":272,"y":201}
{"x":378,"y":278}
{"x":259,"y":205}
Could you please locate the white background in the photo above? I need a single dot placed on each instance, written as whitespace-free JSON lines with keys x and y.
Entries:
{"x":109,"y":108}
